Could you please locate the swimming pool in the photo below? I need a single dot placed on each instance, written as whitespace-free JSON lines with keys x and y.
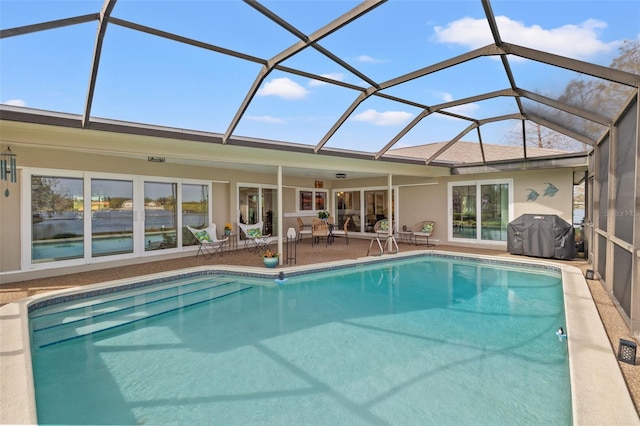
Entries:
{"x":390,"y":367}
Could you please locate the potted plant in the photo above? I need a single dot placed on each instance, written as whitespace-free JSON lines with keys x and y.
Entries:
{"x":227,"y":229}
{"x":323,"y":214}
{"x":270,"y":259}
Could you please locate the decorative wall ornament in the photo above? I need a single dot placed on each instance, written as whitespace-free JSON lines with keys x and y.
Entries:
{"x":8,"y":168}
{"x":550,"y":190}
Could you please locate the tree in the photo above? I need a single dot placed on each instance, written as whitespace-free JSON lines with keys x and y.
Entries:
{"x":587,"y":93}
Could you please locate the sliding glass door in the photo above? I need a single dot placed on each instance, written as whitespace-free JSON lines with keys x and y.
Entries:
{"x":480,"y":210}
{"x":257,"y":203}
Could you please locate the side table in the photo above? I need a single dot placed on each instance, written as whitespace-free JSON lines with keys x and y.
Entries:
{"x":406,"y":237}
{"x":232,"y":242}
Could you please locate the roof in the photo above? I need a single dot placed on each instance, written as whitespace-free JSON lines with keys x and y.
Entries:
{"x":470,"y":152}
{"x":326,"y":77}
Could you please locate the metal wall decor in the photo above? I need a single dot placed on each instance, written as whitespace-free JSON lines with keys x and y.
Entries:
{"x":8,"y":168}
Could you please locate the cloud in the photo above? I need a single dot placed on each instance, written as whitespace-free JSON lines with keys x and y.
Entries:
{"x":387,"y":118}
{"x":465,"y":109}
{"x":576,"y":41}
{"x":265,"y":119}
{"x":333,"y":76}
{"x":15,"y":102}
{"x":368,"y":59}
{"x":284,"y":88}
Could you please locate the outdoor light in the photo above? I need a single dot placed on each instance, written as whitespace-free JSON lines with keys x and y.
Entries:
{"x":627,"y":351}
{"x":589,"y":274}
{"x":341,"y":175}
{"x":156,"y":159}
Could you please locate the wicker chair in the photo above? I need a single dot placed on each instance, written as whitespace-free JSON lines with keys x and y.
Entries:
{"x":301,"y":229}
{"x":319,"y":229}
{"x":344,"y":232}
{"x":422,"y":230}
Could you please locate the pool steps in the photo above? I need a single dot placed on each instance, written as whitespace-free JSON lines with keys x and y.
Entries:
{"x":84,"y":318}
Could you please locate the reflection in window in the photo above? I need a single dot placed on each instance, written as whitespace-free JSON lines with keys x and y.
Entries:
{"x":376,"y":208}
{"x":195,"y":210}
{"x":321,"y":200}
{"x":111,"y":217}
{"x":494,"y":207}
{"x":464,"y":211}
{"x":305,"y":200}
{"x":270,"y":219}
{"x":348,"y":206}
{"x":57,"y":226}
{"x":259,"y":204}
{"x":160,"y":215}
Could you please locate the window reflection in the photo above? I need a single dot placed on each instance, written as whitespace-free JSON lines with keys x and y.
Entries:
{"x":111,"y":217}
{"x":160,"y":215}
{"x":57,"y":211}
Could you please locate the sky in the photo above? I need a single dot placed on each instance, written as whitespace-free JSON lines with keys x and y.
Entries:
{"x":151,"y":80}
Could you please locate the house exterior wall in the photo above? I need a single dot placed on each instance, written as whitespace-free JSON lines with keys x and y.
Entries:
{"x":422,"y":189}
{"x":428,"y":201}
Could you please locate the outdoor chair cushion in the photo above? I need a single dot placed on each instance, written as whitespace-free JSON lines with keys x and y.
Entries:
{"x":203,"y":236}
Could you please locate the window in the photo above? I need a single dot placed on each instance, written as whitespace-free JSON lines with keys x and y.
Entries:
{"x":195,"y":210}
{"x":480,"y":211}
{"x":80,"y":217}
{"x":111,"y":217}
{"x":57,"y":218}
{"x":310,"y":200}
{"x":160,"y":215}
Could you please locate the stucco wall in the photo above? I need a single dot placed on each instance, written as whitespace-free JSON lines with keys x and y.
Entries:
{"x":420,"y":198}
{"x":428,"y":201}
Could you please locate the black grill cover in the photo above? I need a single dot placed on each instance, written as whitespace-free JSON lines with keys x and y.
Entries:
{"x":541,"y":236}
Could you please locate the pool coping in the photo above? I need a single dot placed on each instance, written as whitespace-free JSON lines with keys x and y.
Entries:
{"x":598,"y":389}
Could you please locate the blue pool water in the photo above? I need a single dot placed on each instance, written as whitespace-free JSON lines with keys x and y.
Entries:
{"x":426,"y":340}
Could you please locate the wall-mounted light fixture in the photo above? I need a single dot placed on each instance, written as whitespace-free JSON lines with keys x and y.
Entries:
{"x":341,"y":175}
{"x":156,"y":159}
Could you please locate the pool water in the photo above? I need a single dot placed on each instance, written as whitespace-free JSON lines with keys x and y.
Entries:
{"x":427,"y":340}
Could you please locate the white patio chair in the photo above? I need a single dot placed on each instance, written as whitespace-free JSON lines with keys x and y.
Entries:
{"x":255,"y":241}
{"x":207,"y":240}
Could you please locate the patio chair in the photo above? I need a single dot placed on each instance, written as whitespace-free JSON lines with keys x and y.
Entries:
{"x":344,"y":232}
{"x":255,"y":241}
{"x":382,"y":228}
{"x":208,"y":242}
{"x":319,"y":229}
{"x":423,"y":229}
{"x":301,"y":229}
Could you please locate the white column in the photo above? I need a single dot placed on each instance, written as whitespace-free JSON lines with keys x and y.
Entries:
{"x":280,"y":215}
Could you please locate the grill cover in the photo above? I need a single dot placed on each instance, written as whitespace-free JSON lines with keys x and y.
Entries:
{"x":541,"y":236}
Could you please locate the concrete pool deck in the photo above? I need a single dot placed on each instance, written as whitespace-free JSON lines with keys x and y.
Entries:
{"x":600,"y":393}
